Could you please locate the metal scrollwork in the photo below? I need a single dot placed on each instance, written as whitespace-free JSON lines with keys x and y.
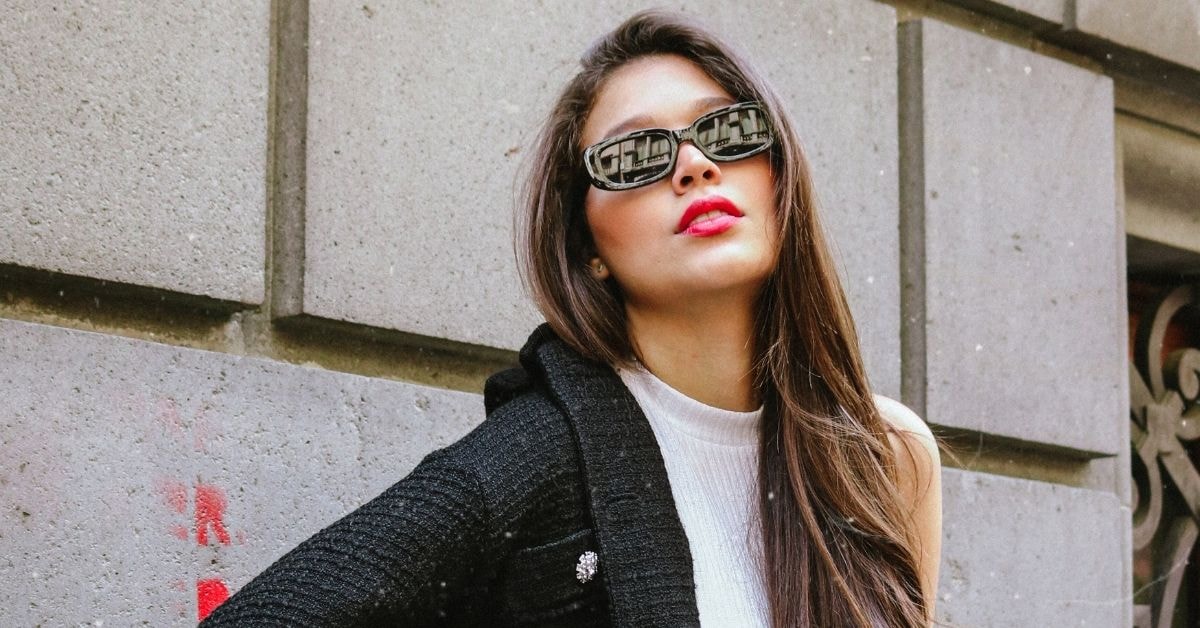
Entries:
{"x":1164,"y":417}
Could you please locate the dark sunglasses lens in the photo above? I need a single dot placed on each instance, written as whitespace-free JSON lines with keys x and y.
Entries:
{"x":633,"y":160}
{"x":734,"y":134}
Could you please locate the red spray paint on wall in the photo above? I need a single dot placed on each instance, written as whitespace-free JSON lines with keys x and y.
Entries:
{"x":210,"y":593}
{"x":170,"y":419}
{"x":209,"y":502}
{"x":210,"y":511}
{"x":175,"y":493}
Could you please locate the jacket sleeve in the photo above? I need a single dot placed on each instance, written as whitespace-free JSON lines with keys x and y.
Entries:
{"x":409,"y":556}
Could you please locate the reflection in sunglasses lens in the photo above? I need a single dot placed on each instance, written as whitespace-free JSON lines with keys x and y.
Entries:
{"x":635,"y":159}
{"x":733,"y":134}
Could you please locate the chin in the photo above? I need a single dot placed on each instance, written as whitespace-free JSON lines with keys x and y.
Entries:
{"x":737,"y":264}
{"x":733,"y":275}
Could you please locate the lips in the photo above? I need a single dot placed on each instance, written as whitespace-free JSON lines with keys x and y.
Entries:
{"x":708,"y":216}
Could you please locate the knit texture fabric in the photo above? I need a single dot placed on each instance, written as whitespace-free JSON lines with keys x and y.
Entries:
{"x":489,"y":531}
{"x":711,"y":457}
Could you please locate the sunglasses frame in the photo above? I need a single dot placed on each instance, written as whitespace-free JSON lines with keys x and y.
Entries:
{"x":675,"y":138}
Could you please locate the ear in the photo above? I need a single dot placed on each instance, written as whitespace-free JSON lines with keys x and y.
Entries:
{"x":598,"y":268}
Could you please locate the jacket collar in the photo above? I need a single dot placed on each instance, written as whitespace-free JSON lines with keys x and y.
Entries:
{"x":644,"y":554}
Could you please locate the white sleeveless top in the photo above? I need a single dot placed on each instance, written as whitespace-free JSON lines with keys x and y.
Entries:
{"x":711,"y":457}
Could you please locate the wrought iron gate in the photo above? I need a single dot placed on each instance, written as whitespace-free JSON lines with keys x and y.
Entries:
{"x":1164,"y":383}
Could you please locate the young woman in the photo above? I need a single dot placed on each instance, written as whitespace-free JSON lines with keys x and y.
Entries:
{"x":690,"y":438}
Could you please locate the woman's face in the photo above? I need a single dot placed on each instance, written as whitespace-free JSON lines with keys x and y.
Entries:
{"x":641,"y":236}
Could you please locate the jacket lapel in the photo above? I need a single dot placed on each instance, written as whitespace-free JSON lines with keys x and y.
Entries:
{"x":644,"y":556}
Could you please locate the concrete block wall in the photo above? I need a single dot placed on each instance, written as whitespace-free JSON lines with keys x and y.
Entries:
{"x":1021,"y":232}
{"x":1014,"y":313}
{"x":135,"y":144}
{"x":1165,"y":30}
{"x":1039,"y":13}
{"x":1023,"y":553}
{"x":967,"y":181}
{"x":1169,"y":29}
{"x":141,"y":479}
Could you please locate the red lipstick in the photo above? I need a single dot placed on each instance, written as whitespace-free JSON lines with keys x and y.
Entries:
{"x":708,"y":216}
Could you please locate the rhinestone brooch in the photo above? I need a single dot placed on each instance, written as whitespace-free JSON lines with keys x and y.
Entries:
{"x":587,"y":566}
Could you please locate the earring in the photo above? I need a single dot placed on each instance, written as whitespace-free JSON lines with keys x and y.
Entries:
{"x":599,"y":269}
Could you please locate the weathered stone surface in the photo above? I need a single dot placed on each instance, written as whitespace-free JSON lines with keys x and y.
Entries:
{"x":412,"y":153}
{"x":1023,"y":553}
{"x":1025,"y":330}
{"x":131,"y":470}
{"x":1161,"y":167}
{"x":1044,"y":10}
{"x":1169,"y":29}
{"x":135,"y":143}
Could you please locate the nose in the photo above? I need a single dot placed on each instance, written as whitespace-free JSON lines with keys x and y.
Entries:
{"x":693,"y":167}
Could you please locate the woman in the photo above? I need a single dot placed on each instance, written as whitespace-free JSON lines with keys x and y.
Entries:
{"x":691,"y":437}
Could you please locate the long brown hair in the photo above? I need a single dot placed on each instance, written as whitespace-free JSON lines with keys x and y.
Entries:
{"x":839,"y":546}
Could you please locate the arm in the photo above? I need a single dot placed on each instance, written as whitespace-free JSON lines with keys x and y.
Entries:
{"x":406,"y":556}
{"x":920,"y":482}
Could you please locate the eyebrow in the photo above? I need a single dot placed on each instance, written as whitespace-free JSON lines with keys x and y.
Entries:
{"x":642,"y":121}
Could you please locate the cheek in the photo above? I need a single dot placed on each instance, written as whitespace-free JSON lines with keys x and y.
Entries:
{"x":762,"y":180}
{"x":606,"y":218}
{"x":592,"y":211}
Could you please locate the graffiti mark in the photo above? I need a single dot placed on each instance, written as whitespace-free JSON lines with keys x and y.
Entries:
{"x":171,"y":421}
{"x":168,"y":416}
{"x":210,"y":511}
{"x":210,"y":504}
{"x":210,"y":592}
{"x":175,"y":493}
{"x":183,"y":426}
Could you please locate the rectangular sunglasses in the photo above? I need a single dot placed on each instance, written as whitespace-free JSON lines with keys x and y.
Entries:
{"x":647,"y":155}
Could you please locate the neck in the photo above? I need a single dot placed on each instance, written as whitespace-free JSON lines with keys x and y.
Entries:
{"x":704,"y":350}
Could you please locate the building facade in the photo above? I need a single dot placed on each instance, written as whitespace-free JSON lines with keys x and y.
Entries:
{"x":255,"y":262}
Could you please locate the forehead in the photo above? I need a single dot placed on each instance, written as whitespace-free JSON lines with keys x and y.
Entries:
{"x":665,"y":91}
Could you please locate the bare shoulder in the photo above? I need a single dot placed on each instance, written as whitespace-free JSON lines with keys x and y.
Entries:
{"x":911,"y":427}
{"x":919,"y":481}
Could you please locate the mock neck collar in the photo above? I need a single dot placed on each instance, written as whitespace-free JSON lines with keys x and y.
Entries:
{"x":687,"y":415}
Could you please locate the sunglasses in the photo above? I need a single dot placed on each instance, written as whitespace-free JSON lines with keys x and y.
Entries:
{"x":643,"y":157}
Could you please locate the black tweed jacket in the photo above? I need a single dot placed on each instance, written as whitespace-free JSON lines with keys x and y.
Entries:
{"x":490,"y":530}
